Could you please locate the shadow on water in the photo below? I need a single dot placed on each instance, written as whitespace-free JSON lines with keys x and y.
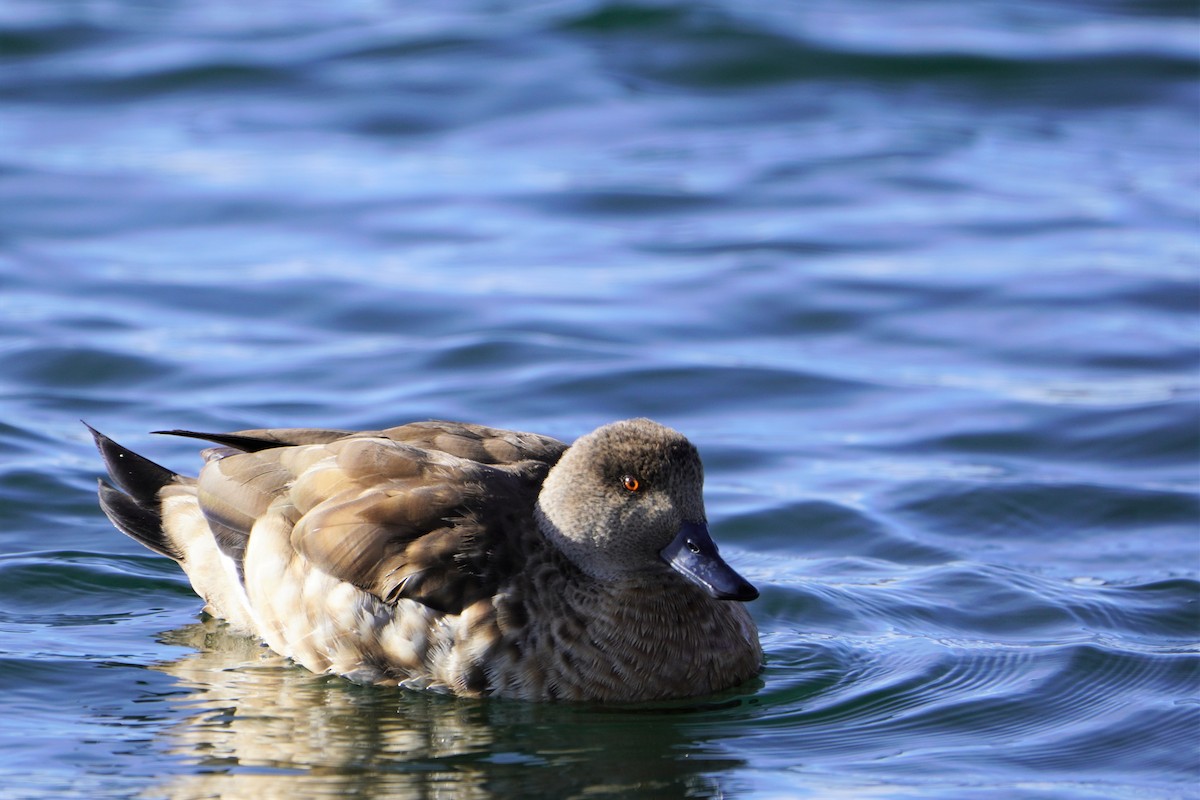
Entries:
{"x":251,"y":724}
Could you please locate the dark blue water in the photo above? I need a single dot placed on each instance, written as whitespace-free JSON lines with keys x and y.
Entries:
{"x":921,"y":280}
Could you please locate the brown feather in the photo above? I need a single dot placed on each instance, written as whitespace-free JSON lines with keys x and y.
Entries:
{"x":401,"y":513}
{"x":400,"y":522}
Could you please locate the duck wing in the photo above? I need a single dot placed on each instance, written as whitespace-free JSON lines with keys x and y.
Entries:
{"x":435,"y":512}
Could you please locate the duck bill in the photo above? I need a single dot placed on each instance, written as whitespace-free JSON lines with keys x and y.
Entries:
{"x":693,"y":554}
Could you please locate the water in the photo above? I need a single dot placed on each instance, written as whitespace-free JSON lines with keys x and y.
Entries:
{"x":920,"y":280}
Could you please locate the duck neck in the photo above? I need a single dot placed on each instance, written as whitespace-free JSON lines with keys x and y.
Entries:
{"x":576,"y":545}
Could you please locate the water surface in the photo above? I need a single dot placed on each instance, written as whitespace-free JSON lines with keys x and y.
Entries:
{"x":920,"y":280}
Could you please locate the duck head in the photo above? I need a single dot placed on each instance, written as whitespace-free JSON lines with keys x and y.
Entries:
{"x":626,"y":502}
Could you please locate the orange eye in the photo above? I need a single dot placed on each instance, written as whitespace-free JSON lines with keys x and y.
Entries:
{"x":631,"y":483}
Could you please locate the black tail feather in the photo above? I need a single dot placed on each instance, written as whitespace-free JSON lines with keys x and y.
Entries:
{"x":138,"y":522}
{"x":247,"y":444}
{"x":135,"y":475}
{"x":133,"y":504}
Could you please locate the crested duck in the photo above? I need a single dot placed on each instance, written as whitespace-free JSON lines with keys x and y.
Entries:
{"x":456,"y":557}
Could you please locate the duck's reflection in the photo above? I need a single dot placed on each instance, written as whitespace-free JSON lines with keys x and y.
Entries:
{"x":255,"y":725}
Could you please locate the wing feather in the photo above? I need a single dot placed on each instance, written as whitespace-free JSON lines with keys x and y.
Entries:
{"x":434,"y":512}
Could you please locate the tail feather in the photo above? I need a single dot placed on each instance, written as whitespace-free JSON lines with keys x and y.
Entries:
{"x":138,"y":522}
{"x":133,"y":503}
{"x":137,"y":476}
{"x":255,"y":441}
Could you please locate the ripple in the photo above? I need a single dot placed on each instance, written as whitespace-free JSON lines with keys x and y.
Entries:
{"x":898,"y":702}
{"x":59,"y":588}
{"x":815,"y":528}
{"x":42,"y":40}
{"x":722,"y":49}
{"x":1161,"y":615}
{"x":1029,"y":521}
{"x":66,"y":366}
{"x":655,"y":390}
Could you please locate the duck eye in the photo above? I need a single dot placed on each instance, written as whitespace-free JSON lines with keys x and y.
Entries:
{"x":631,"y":483}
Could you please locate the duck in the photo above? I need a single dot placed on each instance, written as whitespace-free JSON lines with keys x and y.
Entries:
{"x":456,"y":558}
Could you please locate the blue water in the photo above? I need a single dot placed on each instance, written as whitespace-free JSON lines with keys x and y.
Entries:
{"x":921,"y":281}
